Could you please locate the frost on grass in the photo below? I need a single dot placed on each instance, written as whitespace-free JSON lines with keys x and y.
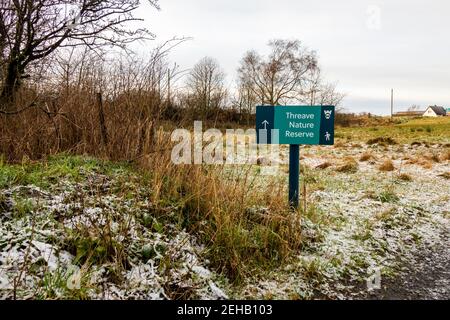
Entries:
{"x":100,"y":238}
{"x":80,"y":240}
{"x":359,"y":223}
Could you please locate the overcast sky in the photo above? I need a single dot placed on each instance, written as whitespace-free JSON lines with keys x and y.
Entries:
{"x":368,"y":47}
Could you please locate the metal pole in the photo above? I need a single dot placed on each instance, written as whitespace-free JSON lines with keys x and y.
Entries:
{"x":294,"y":175}
{"x":392,"y":103}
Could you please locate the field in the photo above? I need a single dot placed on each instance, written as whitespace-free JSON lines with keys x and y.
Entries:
{"x":374,"y":206}
{"x":377,"y":200}
{"x":430,"y":130}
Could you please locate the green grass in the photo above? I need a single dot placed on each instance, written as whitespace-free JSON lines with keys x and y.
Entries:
{"x":23,"y":207}
{"x":46,"y":173}
{"x":54,"y":285}
{"x":431,"y":130}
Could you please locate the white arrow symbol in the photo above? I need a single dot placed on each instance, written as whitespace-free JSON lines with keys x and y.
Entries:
{"x":265,"y":123}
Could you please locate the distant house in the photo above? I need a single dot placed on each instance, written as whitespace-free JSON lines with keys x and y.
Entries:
{"x":435,"y":111}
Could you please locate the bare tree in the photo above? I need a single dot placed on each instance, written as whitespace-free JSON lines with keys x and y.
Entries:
{"x":206,"y":85}
{"x":414,"y":107}
{"x":317,"y":92}
{"x":328,"y":95}
{"x":32,"y":30}
{"x":245,"y":99}
{"x":279,"y":77}
{"x":312,"y":86}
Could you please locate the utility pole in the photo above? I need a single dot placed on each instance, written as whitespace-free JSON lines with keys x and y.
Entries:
{"x":168,"y":88}
{"x":392,"y":104}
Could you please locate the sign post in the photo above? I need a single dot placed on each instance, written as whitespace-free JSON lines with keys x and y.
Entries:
{"x":295,"y":125}
{"x":294,"y":175}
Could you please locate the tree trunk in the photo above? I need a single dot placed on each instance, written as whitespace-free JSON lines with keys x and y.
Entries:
{"x":10,"y":85}
{"x":101,"y":117}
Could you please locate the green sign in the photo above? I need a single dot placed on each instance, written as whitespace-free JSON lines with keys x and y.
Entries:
{"x":295,"y":125}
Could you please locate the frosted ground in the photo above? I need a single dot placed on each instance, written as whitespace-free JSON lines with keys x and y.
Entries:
{"x":35,"y":258}
{"x":361,"y":221}
{"x":366,"y":221}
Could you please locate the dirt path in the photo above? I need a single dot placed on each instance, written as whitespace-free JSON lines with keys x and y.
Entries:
{"x":426,"y":279}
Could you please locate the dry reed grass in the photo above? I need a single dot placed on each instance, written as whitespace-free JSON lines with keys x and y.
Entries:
{"x":324,"y":165}
{"x":131,"y":123}
{"x":445,"y":156}
{"x":366,"y":156}
{"x":386,"y":166}
{"x":241,"y":225}
{"x":349,"y":165}
{"x":404,"y":177}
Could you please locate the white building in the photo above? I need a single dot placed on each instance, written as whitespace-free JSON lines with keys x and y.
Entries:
{"x":435,"y":111}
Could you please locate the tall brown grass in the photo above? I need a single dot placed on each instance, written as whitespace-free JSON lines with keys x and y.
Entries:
{"x":127,"y":115}
{"x":86,"y":103}
{"x":445,"y":155}
{"x":387,"y":165}
{"x":366,"y":156}
{"x":348,"y":165}
{"x":245,"y":225}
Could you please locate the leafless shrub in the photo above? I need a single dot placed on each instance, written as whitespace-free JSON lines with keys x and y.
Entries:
{"x":136,"y":98}
{"x":34,"y":30}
